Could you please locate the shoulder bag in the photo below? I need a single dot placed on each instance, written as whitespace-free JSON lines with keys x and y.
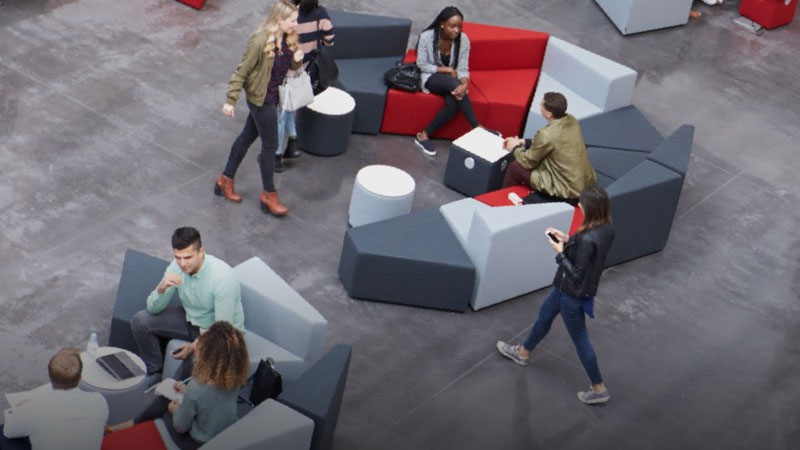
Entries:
{"x":295,"y":92}
{"x":322,"y":69}
{"x":267,"y":382}
{"x":403,"y":76}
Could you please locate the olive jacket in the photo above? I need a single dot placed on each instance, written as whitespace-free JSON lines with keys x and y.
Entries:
{"x":558,"y":159}
{"x":254,"y":72}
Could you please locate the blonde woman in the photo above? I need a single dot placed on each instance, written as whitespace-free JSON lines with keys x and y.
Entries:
{"x":271,"y":52}
{"x":209,"y":399}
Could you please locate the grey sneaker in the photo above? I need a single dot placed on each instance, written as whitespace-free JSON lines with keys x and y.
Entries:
{"x":591,"y":397}
{"x":426,"y":146}
{"x":511,"y":352}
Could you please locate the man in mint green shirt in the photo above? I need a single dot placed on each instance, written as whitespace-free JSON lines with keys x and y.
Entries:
{"x":208,"y":291}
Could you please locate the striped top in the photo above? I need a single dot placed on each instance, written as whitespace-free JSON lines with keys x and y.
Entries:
{"x":311,"y":27}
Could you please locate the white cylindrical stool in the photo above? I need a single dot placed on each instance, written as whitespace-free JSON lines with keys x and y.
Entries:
{"x":380,"y":192}
{"x":324,"y":126}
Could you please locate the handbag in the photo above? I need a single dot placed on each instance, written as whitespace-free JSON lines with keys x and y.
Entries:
{"x":295,"y":92}
{"x":403,"y":76}
{"x":267,"y":382}
{"x":322,"y":69}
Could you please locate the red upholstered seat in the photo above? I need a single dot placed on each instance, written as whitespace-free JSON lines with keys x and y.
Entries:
{"x":196,"y":4}
{"x":144,"y":436}
{"x":504,"y":68}
{"x":500,"y":198}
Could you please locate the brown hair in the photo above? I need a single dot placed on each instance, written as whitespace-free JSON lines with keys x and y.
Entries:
{"x":596,"y":208}
{"x":556,"y":104}
{"x":65,"y":368}
{"x":221,"y":358}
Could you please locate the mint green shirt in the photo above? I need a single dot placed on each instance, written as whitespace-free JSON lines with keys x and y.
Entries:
{"x":212,"y":294}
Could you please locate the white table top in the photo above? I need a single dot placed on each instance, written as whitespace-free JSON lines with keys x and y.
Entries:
{"x":482,"y":144}
{"x":387,"y":181}
{"x":96,"y":376}
{"x":333,"y":102}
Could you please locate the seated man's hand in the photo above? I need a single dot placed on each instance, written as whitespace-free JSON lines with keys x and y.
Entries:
{"x":512,"y":142}
{"x":170,"y":280}
{"x":183,"y":352}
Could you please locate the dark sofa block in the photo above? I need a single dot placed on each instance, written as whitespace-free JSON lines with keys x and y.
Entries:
{"x":363,"y":79}
{"x":413,"y":260}
{"x":625,"y":128}
{"x":674,"y":152}
{"x":318,"y":394}
{"x":360,"y":35}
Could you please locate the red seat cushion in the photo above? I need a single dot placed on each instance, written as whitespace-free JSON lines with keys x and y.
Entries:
{"x":196,"y":4}
{"x":142,"y":436}
{"x":500,"y":198}
{"x":498,"y":48}
{"x":508,"y":93}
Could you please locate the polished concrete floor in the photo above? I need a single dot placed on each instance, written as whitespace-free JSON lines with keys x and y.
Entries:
{"x":111,"y":136}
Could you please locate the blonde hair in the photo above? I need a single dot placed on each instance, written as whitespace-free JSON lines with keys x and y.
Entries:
{"x":221,"y":358}
{"x":281,"y":11}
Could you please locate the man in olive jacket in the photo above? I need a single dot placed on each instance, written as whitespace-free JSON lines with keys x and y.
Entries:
{"x":555,"y":163}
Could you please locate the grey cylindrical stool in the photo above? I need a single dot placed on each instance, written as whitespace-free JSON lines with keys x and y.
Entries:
{"x":380,"y":192}
{"x":324,"y":126}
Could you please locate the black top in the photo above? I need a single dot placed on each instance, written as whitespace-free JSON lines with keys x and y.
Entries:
{"x":581,"y":262}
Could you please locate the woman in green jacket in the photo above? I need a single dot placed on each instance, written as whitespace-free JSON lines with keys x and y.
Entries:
{"x":271,"y":52}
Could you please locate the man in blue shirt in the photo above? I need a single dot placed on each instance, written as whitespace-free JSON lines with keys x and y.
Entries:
{"x":208,"y":290}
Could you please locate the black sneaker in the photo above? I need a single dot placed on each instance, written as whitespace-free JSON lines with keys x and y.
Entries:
{"x":426,"y":146}
{"x":278,"y":164}
{"x":292,"y":151}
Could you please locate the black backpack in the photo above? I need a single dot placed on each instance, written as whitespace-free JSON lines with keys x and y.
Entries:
{"x":403,"y":76}
{"x":322,"y":70}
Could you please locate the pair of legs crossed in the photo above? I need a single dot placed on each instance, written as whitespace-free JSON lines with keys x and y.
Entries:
{"x":518,"y":175}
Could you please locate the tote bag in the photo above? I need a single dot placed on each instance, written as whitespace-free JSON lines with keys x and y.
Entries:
{"x":295,"y":92}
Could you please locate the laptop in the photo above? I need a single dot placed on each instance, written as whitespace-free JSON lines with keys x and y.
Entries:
{"x":120,"y":366}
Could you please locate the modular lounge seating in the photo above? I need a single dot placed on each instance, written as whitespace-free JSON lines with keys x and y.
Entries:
{"x":636,"y":16}
{"x":365,"y":47}
{"x":504,"y":67}
{"x":642,"y":172}
{"x":591,"y":83}
{"x":280,"y":324}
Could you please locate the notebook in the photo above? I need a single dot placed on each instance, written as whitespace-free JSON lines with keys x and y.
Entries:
{"x":120,"y":365}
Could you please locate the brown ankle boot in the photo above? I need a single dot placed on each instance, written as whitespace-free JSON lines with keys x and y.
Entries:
{"x":272,"y":204}
{"x":224,"y":187}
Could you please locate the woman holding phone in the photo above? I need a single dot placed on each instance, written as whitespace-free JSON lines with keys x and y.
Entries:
{"x":580,"y":260}
{"x":209,"y":399}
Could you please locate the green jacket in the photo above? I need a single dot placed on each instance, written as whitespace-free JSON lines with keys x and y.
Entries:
{"x":557,"y":159}
{"x":254,"y":72}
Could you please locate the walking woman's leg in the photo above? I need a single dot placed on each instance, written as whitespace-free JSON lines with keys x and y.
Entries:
{"x":574,"y":319}
{"x":266,"y":123}
{"x":547,"y":313}
{"x":240,"y":146}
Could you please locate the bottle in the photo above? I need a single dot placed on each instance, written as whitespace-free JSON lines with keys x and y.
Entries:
{"x":91,"y":346}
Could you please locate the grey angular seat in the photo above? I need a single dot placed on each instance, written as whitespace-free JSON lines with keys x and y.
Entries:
{"x":366,"y":46}
{"x":414,"y":259}
{"x":624,"y":128}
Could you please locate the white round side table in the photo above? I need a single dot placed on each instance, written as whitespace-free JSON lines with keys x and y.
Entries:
{"x":124,"y":397}
{"x":380,"y":192}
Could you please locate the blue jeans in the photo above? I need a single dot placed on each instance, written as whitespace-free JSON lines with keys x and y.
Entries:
{"x":286,"y":127}
{"x":572,"y":313}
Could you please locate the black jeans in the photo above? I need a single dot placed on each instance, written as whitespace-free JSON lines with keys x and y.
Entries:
{"x":148,"y":329}
{"x":261,"y":122}
{"x":442,"y":84}
{"x":158,"y":408}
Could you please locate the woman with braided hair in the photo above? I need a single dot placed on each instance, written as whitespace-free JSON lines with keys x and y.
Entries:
{"x":443,"y":61}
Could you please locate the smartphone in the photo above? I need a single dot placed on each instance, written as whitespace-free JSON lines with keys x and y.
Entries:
{"x":552,"y":237}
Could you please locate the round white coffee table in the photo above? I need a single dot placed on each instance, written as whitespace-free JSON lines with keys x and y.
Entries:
{"x":124,"y":397}
{"x":380,"y":192}
{"x":324,"y":126}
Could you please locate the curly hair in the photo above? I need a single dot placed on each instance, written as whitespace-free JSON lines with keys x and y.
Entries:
{"x":221,"y":357}
{"x":281,"y":11}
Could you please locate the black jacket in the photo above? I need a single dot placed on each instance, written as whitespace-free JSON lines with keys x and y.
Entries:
{"x":581,"y":263}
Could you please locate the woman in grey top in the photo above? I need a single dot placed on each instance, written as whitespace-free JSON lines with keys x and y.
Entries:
{"x":443,"y":60}
{"x":209,"y":400}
